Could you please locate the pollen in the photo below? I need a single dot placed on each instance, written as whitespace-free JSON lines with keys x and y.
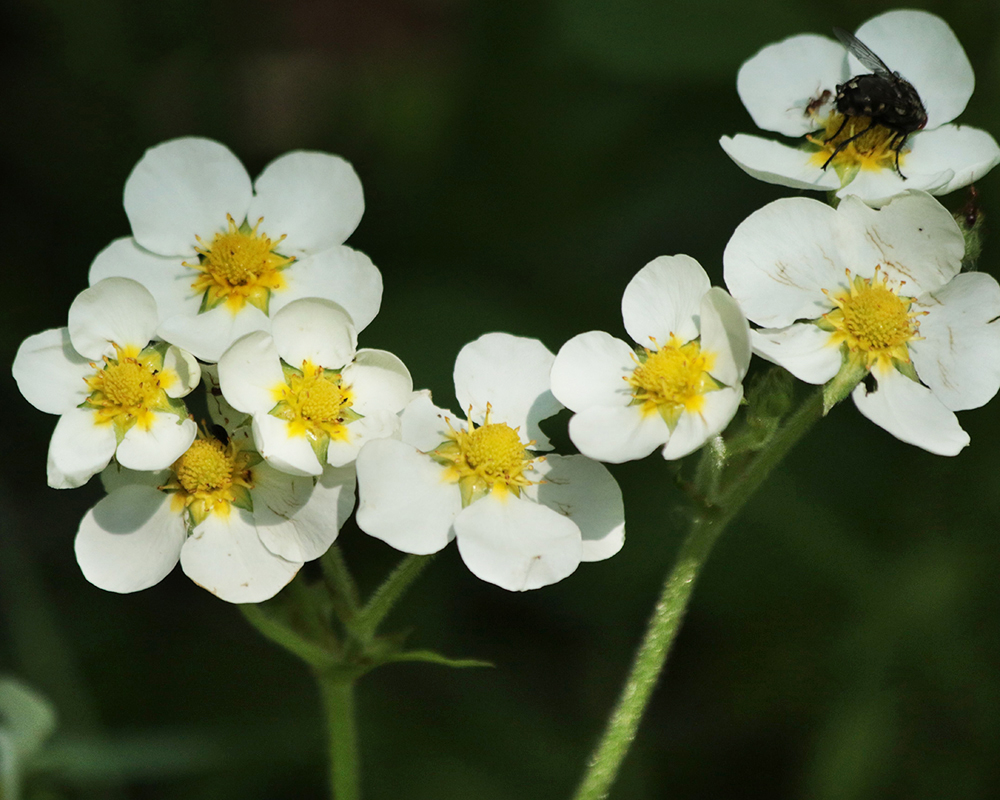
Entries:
{"x":211,"y":477}
{"x":315,"y":402}
{"x":866,"y":146}
{"x":873,"y":320}
{"x":128,"y":388}
{"x":672,"y":379}
{"x":239,"y":266}
{"x":205,"y":467}
{"x":490,"y":458}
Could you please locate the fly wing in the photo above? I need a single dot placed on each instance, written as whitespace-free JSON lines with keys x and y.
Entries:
{"x":862,"y":53}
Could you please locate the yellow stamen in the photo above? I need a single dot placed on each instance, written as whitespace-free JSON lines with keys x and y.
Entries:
{"x":873,"y":149}
{"x":129,"y":388}
{"x":316,"y":403}
{"x":672,"y":379}
{"x":239,"y":266}
{"x":873,"y":320}
{"x":490,"y":458}
{"x":211,"y":477}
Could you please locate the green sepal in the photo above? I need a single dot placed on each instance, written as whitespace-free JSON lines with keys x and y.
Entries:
{"x":288,"y":371}
{"x":472,"y":488}
{"x":906,"y":368}
{"x":159,"y":350}
{"x":242,"y":498}
{"x":671,"y":414}
{"x":320,"y":445}
{"x":852,"y":371}
{"x":824,"y":325}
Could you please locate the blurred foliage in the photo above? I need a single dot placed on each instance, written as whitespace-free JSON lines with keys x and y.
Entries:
{"x":521,"y":161}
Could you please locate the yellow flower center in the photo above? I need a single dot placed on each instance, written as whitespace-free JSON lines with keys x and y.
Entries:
{"x":211,"y":477}
{"x":239,"y":266}
{"x":316,"y":404}
{"x":205,"y":467}
{"x":873,"y":320}
{"x":129,"y":388}
{"x":490,"y":458}
{"x":672,"y":379}
{"x":873,"y":149}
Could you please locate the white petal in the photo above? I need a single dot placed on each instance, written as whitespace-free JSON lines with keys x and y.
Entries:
{"x":377,"y":424}
{"x":517,"y":544}
{"x":313,"y":198}
{"x":79,"y":448}
{"x":227,"y":557}
{"x":291,"y":454}
{"x":166,"y":278}
{"x":341,"y":274}
{"x":403,"y":498}
{"x":187,"y":369}
{"x":664,"y":298}
{"x":693,"y":430}
{"x":379,"y":382}
{"x":914,"y":239}
{"x":591,"y":370}
{"x":584,"y":491}
{"x":802,"y":349}
{"x":958,"y":354}
{"x":512,"y":374}
{"x":724,"y":331}
{"x":314,"y":330}
{"x":925,"y":51}
{"x":115,"y":476}
{"x":423,"y":423}
{"x":159,"y":447}
{"x":50,"y":373}
{"x":298,"y":518}
{"x":774,"y":162}
{"x":130,"y":540}
{"x":182,"y":189}
{"x":250,"y":372}
{"x":963,"y":152}
{"x":115,"y":310}
{"x":781,"y":258}
{"x":778,"y":83}
{"x":910,"y":412}
{"x":617,"y":434}
{"x":876,"y":187}
{"x":207,"y":336}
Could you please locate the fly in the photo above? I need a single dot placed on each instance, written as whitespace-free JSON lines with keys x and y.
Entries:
{"x":882,"y":95}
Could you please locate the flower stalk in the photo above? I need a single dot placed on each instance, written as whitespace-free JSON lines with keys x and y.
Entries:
{"x":721,"y":502}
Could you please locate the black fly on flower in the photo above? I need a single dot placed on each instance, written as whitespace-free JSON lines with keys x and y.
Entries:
{"x":884,"y":97}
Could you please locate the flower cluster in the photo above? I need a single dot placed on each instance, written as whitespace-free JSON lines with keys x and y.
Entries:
{"x":248,"y":289}
{"x":254,"y":276}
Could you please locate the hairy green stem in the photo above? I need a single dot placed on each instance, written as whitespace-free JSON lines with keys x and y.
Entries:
{"x":669,"y":610}
{"x":385,"y":597}
{"x":338,"y":702}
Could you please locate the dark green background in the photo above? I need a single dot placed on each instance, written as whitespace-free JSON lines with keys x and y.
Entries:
{"x":521,"y":161}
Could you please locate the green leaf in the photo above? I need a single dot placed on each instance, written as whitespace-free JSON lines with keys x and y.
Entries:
{"x":429,"y":656}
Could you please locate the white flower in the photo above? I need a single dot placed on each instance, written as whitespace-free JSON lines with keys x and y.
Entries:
{"x":854,"y":292}
{"x":115,"y":394}
{"x":790,"y":87}
{"x":682,"y":387}
{"x":522,"y":520}
{"x":220,"y":256}
{"x":240,"y":528}
{"x":315,"y":398}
